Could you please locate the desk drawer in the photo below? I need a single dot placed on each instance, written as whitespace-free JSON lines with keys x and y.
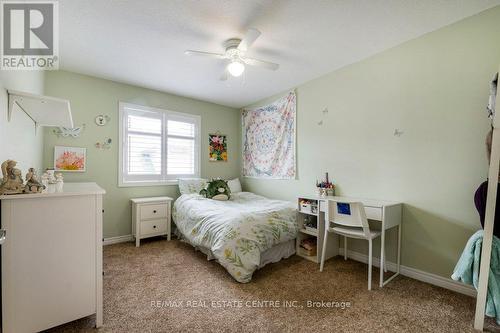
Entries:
{"x":153,"y":227}
{"x":373,"y":213}
{"x":154,"y":211}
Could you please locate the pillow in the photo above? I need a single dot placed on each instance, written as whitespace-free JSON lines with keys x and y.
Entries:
{"x":191,"y":185}
{"x":234,"y":185}
{"x":217,"y":189}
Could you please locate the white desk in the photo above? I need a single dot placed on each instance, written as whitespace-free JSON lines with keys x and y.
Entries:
{"x":386,"y":212}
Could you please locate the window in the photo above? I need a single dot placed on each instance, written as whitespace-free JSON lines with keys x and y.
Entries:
{"x":157,"y":146}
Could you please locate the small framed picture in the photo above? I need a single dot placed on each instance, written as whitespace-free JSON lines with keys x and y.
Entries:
{"x":217,"y":147}
{"x":71,"y":159}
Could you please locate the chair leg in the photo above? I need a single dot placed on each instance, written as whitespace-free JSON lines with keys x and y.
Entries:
{"x":345,"y":248}
{"x":369,"y":264}
{"x":323,"y":251}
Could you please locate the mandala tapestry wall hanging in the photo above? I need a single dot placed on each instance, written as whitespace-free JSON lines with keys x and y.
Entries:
{"x":269,"y":139}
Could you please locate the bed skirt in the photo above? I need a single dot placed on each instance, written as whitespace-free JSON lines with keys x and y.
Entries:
{"x":272,"y":255}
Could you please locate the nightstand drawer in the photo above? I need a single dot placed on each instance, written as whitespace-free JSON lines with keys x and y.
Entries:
{"x":155,"y":211}
{"x":153,"y":227}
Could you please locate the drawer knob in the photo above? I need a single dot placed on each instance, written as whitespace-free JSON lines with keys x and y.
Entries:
{"x":154,"y":211}
{"x":154,"y":227}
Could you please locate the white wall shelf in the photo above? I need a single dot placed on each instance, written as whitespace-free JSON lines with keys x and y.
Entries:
{"x":43,"y":110}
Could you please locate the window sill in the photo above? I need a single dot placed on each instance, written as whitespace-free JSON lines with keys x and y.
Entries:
{"x":148,"y":183}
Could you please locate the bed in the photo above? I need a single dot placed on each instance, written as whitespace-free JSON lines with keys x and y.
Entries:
{"x":242,"y":234}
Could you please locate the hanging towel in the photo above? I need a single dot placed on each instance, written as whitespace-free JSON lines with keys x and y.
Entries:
{"x":467,"y":271}
{"x":493,"y":95}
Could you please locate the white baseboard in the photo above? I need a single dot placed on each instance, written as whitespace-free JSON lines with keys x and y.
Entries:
{"x":117,"y":239}
{"x":416,"y":274}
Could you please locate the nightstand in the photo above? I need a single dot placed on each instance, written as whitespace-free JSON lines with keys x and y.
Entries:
{"x":151,"y":217}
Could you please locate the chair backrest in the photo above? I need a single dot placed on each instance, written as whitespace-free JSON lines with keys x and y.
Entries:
{"x":349,"y":214}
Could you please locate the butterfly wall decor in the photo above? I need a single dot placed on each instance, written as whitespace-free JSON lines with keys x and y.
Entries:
{"x":69,"y":132}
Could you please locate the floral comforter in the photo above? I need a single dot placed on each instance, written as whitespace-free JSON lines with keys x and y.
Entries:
{"x":236,"y":231}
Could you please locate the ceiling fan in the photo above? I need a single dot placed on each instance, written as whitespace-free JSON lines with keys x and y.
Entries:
{"x":235,"y":55}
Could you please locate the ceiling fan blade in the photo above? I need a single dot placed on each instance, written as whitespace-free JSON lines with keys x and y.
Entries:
{"x":224,"y":75}
{"x":201,"y":53}
{"x":247,"y":41}
{"x":261,"y":63}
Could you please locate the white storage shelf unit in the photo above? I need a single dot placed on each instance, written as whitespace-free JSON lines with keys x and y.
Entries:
{"x":314,"y":209}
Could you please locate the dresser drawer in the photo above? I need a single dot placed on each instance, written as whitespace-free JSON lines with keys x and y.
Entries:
{"x":154,"y":211}
{"x":373,"y":213}
{"x":153,"y":227}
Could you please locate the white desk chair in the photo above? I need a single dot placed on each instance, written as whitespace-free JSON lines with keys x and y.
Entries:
{"x":352,"y":221}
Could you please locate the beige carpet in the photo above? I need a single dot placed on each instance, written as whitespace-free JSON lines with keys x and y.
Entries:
{"x":172,"y":271}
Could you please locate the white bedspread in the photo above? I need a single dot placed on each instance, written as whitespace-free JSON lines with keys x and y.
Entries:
{"x":236,"y":231}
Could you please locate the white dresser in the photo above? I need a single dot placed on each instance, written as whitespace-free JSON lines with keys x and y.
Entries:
{"x":51,"y":258}
{"x":151,"y":217}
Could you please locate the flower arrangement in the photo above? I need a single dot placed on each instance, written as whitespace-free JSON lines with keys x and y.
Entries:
{"x":217,"y":145}
{"x":325,"y":188}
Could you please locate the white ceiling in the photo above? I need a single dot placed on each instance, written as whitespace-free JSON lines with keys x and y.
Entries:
{"x":143,"y":42}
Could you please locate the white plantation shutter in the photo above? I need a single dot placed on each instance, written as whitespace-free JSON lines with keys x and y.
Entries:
{"x":144,"y":154}
{"x":144,"y":133}
{"x":157,"y":146}
{"x":181,"y":154}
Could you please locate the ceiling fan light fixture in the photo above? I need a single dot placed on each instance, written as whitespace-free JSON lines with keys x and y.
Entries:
{"x":235,"y":68}
{"x":235,"y":55}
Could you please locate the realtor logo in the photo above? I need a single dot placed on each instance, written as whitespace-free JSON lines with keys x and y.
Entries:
{"x":29,"y":37}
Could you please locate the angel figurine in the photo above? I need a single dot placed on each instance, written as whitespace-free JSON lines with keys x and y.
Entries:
{"x":59,"y":182}
{"x":12,"y":182}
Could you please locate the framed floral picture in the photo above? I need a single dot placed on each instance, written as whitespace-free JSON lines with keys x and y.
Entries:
{"x":217,"y":147}
{"x":72,"y":159}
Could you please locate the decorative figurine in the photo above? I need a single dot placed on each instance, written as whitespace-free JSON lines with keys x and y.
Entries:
{"x":59,"y":182}
{"x":50,"y":176}
{"x":12,"y":182}
{"x":59,"y":177}
{"x":45,"y":182}
{"x":32,"y":183}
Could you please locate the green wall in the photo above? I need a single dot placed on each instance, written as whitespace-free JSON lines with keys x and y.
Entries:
{"x":90,"y":97}
{"x":434,"y":89}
